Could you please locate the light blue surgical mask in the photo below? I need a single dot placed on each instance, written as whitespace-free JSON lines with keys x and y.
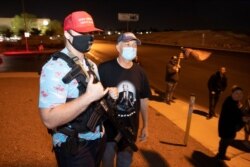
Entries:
{"x":129,"y":53}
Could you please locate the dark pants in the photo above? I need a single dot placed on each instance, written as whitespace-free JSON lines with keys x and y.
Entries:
{"x":123,"y":158}
{"x":170,"y":88}
{"x":89,"y":154}
{"x":223,"y":145}
{"x":213,"y":100}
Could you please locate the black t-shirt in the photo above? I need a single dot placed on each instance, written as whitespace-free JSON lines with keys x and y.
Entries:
{"x":132,"y":86}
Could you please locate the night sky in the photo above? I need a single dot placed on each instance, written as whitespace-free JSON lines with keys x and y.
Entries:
{"x":232,"y":15}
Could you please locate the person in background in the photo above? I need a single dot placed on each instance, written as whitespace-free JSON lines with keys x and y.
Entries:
{"x":230,"y":121}
{"x":65,"y":106}
{"x":171,"y":78}
{"x":41,"y":47}
{"x":217,"y":83}
{"x":246,"y":119}
{"x":133,"y":88}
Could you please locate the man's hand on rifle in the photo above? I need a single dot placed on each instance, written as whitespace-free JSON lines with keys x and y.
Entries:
{"x":95,"y":91}
{"x":144,"y":134}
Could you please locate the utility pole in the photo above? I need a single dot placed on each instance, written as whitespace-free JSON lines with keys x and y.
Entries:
{"x":127,"y":26}
{"x":25,"y":27}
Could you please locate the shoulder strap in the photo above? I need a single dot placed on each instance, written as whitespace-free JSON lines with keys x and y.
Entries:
{"x":91,"y":69}
{"x":70,"y":61}
{"x":89,"y":63}
{"x":72,"y":74}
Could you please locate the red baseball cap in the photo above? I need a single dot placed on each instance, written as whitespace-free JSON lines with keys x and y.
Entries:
{"x":80,"y":21}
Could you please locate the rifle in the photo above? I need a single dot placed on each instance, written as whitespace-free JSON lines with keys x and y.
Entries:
{"x":104,"y":107}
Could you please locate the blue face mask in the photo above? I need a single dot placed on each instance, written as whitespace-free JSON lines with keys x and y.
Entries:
{"x":129,"y":53}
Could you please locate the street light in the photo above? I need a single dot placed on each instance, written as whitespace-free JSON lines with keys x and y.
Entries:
{"x":26,"y":34}
{"x":45,"y":22}
{"x":43,"y":25}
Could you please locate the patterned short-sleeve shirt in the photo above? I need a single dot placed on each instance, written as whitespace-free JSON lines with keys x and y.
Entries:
{"x":54,"y":92}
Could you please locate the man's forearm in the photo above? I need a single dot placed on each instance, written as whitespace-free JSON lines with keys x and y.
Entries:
{"x":64,"y":113}
{"x":144,"y":112}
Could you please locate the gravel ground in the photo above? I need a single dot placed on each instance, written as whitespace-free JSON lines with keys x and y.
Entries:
{"x":25,"y":141}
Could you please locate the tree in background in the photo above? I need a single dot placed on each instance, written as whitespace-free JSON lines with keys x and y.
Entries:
{"x":35,"y":31}
{"x":54,"y":28}
{"x":5,"y":30}
{"x":26,"y":22}
{"x":22,"y":23}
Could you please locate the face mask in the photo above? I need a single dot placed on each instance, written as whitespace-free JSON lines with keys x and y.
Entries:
{"x":82,"y":43}
{"x":129,"y":53}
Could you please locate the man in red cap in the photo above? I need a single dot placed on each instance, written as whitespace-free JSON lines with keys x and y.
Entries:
{"x":65,"y":103}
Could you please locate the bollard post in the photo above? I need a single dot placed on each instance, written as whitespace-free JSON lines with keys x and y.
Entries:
{"x":190,"y":111}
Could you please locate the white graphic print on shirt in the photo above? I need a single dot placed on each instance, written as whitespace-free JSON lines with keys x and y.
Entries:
{"x":126,"y":100}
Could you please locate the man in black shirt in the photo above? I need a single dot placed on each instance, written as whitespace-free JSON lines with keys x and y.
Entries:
{"x":230,"y":121}
{"x":217,"y":83}
{"x":133,"y":93}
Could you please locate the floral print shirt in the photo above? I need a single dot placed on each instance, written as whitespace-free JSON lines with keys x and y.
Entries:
{"x":54,"y":92}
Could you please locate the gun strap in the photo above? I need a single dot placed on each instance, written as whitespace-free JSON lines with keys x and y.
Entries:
{"x":69,"y":60}
{"x":81,"y":65}
{"x":67,"y":131}
{"x":91,"y":69}
{"x":72,"y":61}
{"x":95,"y":118}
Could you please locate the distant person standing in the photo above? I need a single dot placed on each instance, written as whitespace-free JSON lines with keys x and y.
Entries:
{"x":230,"y":121}
{"x":246,"y":119}
{"x":172,"y":78}
{"x":41,"y":47}
{"x":217,"y":83}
